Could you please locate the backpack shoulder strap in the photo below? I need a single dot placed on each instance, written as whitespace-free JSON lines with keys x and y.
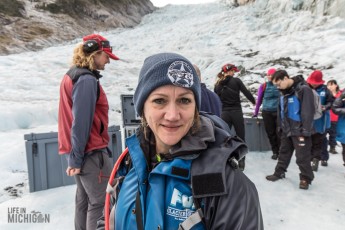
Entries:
{"x":317,"y":104}
{"x":264,"y":87}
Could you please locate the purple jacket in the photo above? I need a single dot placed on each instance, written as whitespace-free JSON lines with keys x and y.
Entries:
{"x":259,"y":99}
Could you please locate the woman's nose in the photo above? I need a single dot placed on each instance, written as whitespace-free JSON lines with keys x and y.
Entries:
{"x":172,"y":112}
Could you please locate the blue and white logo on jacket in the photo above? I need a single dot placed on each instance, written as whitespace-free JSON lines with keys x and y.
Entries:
{"x":181,"y":205}
{"x":293,"y":108}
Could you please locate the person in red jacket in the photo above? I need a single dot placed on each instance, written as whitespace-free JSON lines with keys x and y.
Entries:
{"x":333,"y":86}
{"x":83,"y":128}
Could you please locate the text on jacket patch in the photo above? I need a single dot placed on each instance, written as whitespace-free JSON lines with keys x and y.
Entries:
{"x":181,"y":206}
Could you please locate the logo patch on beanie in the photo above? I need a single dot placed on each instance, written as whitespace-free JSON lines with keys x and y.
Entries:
{"x":181,"y":74}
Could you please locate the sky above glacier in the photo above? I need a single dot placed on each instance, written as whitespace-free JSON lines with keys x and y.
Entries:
{"x":254,"y":37}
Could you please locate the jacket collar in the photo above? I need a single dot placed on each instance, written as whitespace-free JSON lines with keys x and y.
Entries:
{"x":195,"y":142}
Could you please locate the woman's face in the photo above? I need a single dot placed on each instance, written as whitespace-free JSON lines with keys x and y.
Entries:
{"x":269,"y":77}
{"x":332,"y":87}
{"x":101,"y":59}
{"x":230,"y":73}
{"x":169,"y":111}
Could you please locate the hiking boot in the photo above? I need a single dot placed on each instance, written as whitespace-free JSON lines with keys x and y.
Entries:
{"x":315,"y":164}
{"x":275,"y":177}
{"x":303,"y":184}
{"x":324,"y":163}
{"x":332,"y":150}
{"x":274,"y":156}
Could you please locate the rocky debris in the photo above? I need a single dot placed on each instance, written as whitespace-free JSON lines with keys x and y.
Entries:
{"x":15,"y":191}
{"x":30,"y":25}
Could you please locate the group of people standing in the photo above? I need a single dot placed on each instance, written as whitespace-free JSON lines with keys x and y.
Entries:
{"x":301,"y":114}
{"x":182,"y":169}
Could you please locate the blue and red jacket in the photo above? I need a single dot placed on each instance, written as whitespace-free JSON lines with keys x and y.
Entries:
{"x":296,"y":109}
{"x":338,"y":107}
{"x":326,"y":99}
{"x":83,"y":115}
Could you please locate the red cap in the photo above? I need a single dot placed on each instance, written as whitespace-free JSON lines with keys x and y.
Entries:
{"x":228,"y":67}
{"x":271,"y":71}
{"x":315,"y":78}
{"x":103,"y":44}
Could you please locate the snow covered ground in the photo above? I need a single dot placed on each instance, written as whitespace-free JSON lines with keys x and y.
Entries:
{"x":210,"y":35}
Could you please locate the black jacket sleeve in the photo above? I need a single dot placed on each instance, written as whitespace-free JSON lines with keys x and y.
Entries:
{"x":329,"y":100}
{"x":338,"y":105}
{"x":246,"y":92}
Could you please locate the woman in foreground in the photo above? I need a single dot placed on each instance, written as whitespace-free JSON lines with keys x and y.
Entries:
{"x":182,"y":168}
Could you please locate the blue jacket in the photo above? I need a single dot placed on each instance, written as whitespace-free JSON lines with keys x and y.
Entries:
{"x":201,"y":161}
{"x":296,"y":109}
{"x":326,"y":99}
{"x":270,"y":97}
{"x":166,"y":203}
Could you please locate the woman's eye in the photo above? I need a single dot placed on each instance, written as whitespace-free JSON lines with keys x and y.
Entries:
{"x":185,"y":100}
{"x":159,"y":101}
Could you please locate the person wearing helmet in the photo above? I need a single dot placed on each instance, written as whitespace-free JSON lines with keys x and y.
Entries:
{"x":228,"y":89}
{"x":83,"y":128}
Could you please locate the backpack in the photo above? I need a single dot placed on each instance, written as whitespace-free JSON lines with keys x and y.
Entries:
{"x":317,"y":104}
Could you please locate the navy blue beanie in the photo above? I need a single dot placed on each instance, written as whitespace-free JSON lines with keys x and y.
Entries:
{"x":165,"y":69}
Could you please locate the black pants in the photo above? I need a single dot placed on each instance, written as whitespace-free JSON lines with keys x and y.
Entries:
{"x":235,"y":118}
{"x":317,"y":145}
{"x":270,"y":122}
{"x":303,"y":155}
{"x":332,"y":131}
{"x":324,"y":152}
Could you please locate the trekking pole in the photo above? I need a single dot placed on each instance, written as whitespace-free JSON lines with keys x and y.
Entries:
{"x":110,"y":182}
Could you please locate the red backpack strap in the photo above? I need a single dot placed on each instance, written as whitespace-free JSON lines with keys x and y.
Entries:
{"x":110,"y":182}
{"x":264,"y":87}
